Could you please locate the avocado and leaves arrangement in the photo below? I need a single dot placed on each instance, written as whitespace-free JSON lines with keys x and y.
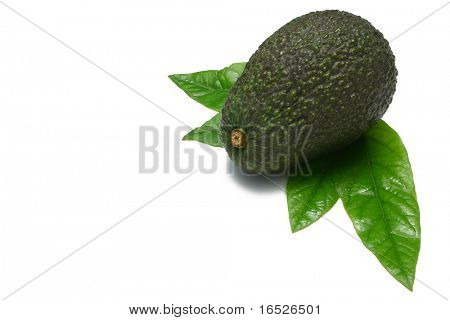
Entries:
{"x":333,"y":73}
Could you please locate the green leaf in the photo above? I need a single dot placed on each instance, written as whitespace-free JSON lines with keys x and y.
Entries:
{"x":208,"y":133}
{"x":210,"y":88}
{"x":375,"y":182}
{"x":310,"y":197}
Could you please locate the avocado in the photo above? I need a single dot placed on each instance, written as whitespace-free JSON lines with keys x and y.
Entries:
{"x":311,"y":88}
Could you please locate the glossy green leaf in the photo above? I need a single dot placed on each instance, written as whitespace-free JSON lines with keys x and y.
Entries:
{"x":375,"y":182}
{"x":211,"y":87}
{"x":310,"y":197}
{"x":208,"y":133}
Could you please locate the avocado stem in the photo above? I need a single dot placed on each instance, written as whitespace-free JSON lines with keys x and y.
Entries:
{"x":238,"y":138}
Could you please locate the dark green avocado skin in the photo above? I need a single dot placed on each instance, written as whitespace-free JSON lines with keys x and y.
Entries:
{"x":313,"y":87}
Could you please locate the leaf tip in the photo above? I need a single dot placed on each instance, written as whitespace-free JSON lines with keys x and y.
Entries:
{"x":295,"y":227}
{"x":187,"y":137}
{"x":409,"y":284}
{"x":174,"y":78}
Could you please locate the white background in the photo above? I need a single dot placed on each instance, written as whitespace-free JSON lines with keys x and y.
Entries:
{"x":69,"y":145}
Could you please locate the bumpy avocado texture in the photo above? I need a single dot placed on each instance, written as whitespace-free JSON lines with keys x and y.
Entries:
{"x":313,"y":87}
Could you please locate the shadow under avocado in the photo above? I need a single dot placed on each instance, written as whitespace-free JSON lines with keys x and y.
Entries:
{"x":255,"y":182}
